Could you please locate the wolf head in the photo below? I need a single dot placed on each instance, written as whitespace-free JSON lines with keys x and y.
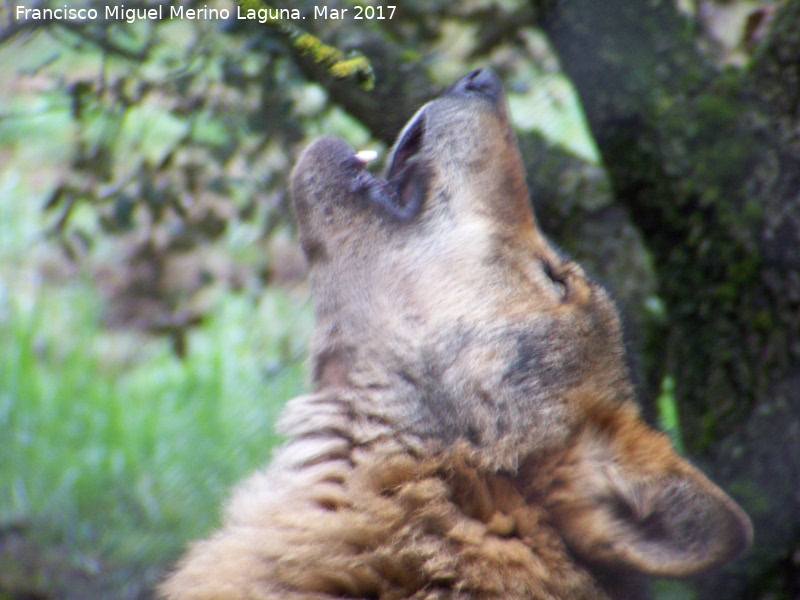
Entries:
{"x":439,"y":300}
{"x":436,"y":283}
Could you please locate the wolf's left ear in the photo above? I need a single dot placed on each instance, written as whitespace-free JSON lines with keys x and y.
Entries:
{"x":625,"y":498}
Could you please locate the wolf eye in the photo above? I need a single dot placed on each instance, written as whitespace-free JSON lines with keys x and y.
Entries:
{"x":559,"y":281}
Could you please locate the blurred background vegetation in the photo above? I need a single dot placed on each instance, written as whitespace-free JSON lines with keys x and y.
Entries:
{"x":153,"y":310}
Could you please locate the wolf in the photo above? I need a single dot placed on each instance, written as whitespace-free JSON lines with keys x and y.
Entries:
{"x":473,"y":431}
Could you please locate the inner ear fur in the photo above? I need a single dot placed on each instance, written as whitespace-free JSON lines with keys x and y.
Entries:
{"x":624,"y":498}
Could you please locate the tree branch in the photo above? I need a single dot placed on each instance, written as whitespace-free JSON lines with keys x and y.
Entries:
{"x":401,"y":85}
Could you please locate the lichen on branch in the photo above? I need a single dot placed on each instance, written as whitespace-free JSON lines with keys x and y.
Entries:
{"x":340,"y":65}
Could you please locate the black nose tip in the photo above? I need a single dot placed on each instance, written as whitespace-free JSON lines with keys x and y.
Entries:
{"x":482,"y":81}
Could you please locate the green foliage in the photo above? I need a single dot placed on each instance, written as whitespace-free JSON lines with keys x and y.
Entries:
{"x":668,"y":416}
{"x":673,"y":590}
{"x":114,"y":452}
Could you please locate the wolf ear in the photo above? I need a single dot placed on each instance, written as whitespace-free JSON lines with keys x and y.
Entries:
{"x":633,"y":503}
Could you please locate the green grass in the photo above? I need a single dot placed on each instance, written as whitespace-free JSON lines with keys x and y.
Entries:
{"x":113,"y":452}
{"x":116,"y":452}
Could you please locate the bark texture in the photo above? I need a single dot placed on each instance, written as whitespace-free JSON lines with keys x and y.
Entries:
{"x":708,"y":164}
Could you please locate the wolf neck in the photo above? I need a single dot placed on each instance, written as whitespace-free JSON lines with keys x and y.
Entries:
{"x":353,"y":366}
{"x":332,"y":424}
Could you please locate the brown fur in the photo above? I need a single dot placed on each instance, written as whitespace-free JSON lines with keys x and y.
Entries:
{"x":473,"y":433}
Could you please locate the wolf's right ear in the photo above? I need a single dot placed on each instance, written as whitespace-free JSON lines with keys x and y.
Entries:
{"x":625,"y":498}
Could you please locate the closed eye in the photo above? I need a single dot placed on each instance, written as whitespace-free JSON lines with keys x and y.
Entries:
{"x":558,"y":279}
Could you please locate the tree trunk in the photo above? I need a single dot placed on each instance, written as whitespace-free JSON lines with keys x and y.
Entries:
{"x":708,"y":164}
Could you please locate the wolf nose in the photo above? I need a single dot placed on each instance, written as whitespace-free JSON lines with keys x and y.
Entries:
{"x":481,"y":81}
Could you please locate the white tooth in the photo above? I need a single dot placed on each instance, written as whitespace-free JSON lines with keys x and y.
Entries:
{"x":366,"y":156}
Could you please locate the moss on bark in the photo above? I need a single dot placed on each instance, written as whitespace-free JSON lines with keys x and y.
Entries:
{"x":707,"y":163}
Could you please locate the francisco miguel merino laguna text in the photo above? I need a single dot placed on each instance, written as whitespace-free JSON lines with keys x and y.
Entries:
{"x":262,"y":15}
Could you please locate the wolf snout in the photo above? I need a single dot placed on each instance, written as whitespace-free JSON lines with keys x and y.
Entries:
{"x":481,"y":81}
